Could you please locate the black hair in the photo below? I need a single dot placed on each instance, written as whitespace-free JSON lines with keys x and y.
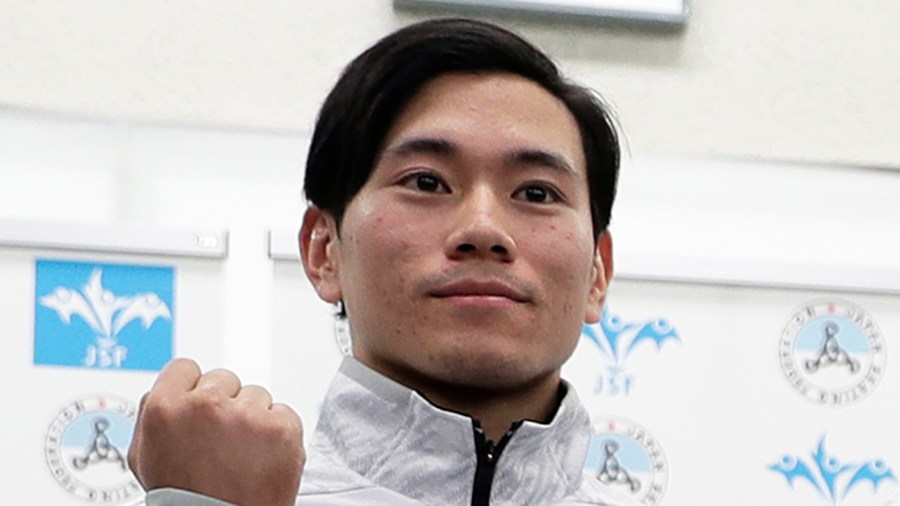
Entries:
{"x":377,"y":85}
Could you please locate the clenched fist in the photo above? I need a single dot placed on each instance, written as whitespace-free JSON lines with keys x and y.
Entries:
{"x":208,"y":434}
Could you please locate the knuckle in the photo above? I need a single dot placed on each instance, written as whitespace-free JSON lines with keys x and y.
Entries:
{"x":158,"y":411}
{"x":255,"y":392}
{"x":292,"y":430}
{"x":223,"y":374}
{"x":279,"y":431}
{"x":182,"y":361}
{"x":205,"y":404}
{"x":167,"y":410}
{"x":183,"y":364}
{"x":290,"y":418}
{"x":256,"y":389}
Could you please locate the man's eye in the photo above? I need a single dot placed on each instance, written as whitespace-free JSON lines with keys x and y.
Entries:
{"x":426,"y":183}
{"x":537,"y":194}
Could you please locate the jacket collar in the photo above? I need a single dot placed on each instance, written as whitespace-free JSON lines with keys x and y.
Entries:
{"x":394,"y":438}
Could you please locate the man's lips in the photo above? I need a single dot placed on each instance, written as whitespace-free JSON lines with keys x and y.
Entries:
{"x":472,"y":288}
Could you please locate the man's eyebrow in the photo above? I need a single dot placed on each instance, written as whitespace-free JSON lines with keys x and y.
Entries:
{"x":542,"y":158}
{"x":443,"y":147}
{"x":421,"y":145}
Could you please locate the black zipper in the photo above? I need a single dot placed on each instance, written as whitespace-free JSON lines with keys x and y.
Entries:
{"x":487,"y":454}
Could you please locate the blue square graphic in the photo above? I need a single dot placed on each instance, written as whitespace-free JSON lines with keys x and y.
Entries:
{"x":103,"y":316}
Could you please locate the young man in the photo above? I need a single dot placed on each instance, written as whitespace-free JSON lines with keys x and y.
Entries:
{"x":460,"y":191}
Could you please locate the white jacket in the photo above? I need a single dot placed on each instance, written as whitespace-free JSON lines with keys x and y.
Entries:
{"x":380,"y":443}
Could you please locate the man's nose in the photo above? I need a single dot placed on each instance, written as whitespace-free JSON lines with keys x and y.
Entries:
{"x":481,"y":228}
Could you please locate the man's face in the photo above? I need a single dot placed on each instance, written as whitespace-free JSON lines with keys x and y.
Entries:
{"x":468,"y":257}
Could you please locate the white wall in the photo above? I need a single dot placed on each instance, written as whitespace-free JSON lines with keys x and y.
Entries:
{"x":809,"y":80}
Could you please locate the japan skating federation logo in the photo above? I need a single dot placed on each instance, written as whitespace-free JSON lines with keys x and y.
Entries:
{"x":86,"y":446}
{"x":831,"y":478}
{"x":832,"y":352}
{"x":627,"y":457}
{"x":106,"y":316}
{"x":616,"y":339}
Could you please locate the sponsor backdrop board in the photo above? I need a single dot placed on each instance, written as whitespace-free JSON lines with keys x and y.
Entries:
{"x":742,"y":396}
{"x":85,"y":335}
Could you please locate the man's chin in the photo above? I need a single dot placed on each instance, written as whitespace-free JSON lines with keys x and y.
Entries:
{"x":487,"y":374}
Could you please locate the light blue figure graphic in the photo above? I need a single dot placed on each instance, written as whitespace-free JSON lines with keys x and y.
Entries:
{"x":831,"y":352}
{"x":824,"y":476}
{"x":105,"y":313}
{"x":616,"y":334}
{"x":617,"y":339}
{"x":611,"y":471}
{"x":100,"y":448}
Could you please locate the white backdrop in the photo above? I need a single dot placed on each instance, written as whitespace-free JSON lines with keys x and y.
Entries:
{"x":724,"y":251}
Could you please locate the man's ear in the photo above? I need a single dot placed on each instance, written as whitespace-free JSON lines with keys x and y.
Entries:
{"x":603,"y":274}
{"x":319,"y":253}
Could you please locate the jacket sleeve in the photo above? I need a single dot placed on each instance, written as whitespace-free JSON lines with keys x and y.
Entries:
{"x":177,"y":497}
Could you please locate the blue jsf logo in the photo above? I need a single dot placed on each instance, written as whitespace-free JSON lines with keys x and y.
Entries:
{"x":831,"y":478}
{"x":102,"y":315}
{"x":617,"y":339}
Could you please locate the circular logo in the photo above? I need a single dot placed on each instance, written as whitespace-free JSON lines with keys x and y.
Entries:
{"x":832,"y":352}
{"x":86,"y":448}
{"x":626,"y":457}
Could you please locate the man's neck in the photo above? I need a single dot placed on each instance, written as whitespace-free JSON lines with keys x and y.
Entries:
{"x":497,"y":411}
{"x":495,"y":408}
